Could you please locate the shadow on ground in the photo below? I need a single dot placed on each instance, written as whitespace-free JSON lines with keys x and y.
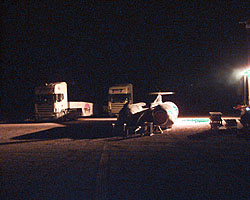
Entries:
{"x":94,"y":130}
{"x":72,"y":131}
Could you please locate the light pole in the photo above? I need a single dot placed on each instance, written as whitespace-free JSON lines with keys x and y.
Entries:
{"x":245,"y":109}
{"x":246,"y":76}
{"x":247,"y":87}
{"x":247,"y":26}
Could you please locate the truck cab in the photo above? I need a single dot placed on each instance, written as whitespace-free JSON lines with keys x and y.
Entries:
{"x":118,"y":96}
{"x":51,"y":101}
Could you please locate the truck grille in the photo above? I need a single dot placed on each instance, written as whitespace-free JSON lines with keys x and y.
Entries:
{"x":115,"y":108}
{"x":44,"y":111}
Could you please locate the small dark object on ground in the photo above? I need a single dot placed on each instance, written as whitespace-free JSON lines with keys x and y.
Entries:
{"x":215,"y":120}
{"x":231,"y":123}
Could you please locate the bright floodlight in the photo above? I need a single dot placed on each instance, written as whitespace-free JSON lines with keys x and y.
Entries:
{"x":247,"y":72}
{"x":161,"y":93}
{"x":238,"y":74}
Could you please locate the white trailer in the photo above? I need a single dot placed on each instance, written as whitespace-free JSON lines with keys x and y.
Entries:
{"x":52,"y":103}
{"x":85,"y":108}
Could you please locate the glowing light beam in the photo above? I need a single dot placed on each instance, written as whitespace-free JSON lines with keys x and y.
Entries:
{"x":247,"y":72}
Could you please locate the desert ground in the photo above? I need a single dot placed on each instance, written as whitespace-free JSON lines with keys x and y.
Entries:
{"x":85,"y":160}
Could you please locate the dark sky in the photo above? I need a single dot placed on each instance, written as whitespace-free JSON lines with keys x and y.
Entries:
{"x":189,"y":48}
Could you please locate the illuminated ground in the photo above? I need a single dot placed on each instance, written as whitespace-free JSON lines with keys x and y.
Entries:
{"x":80,"y":161}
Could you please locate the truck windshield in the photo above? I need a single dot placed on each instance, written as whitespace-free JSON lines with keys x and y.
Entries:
{"x":45,"y":98}
{"x":119,"y":98}
{"x":49,"y":98}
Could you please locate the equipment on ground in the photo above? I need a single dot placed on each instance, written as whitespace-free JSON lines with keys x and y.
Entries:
{"x":147,"y":120}
{"x":215,"y":120}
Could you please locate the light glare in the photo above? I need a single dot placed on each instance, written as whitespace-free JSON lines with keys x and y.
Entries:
{"x":247,"y":72}
{"x":239,"y":73}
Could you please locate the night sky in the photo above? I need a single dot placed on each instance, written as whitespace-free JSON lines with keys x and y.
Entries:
{"x":190,"y":48}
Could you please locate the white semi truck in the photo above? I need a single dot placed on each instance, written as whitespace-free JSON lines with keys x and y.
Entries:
{"x":52,"y":103}
{"x":119,"y":95}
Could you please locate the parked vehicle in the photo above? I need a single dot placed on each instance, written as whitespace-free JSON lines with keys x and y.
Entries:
{"x":118,"y":96}
{"x":52,"y":103}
